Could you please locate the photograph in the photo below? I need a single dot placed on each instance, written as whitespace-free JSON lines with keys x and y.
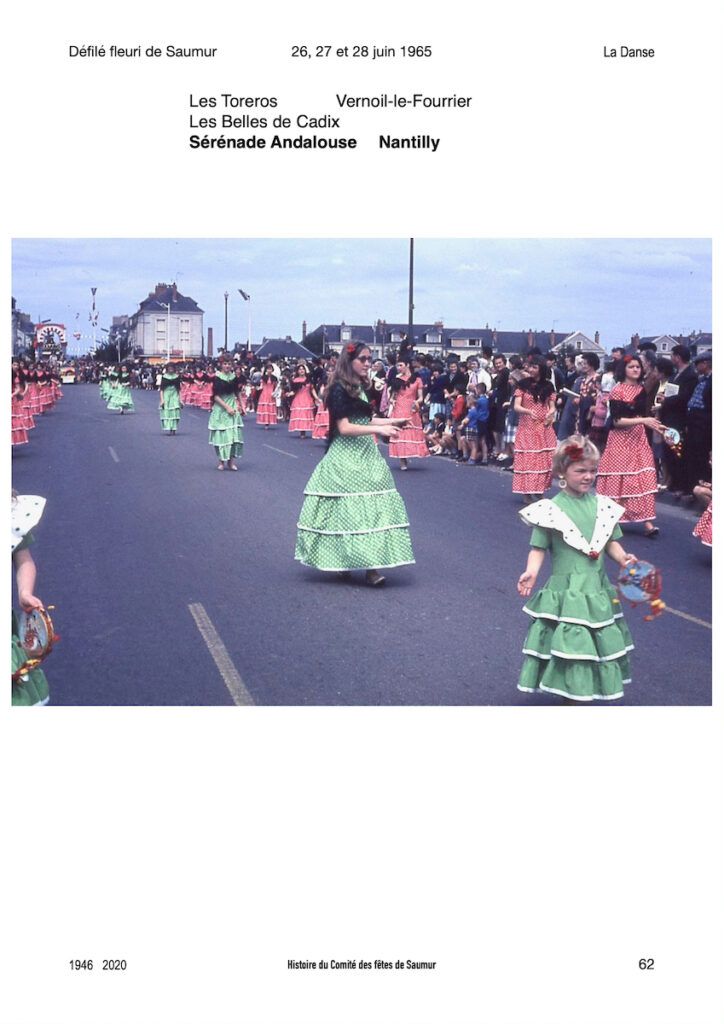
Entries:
{"x":363,"y":425}
{"x":483,"y":514}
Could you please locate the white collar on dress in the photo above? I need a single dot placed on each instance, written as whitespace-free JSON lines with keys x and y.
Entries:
{"x":547,"y":514}
{"x":25,"y":513}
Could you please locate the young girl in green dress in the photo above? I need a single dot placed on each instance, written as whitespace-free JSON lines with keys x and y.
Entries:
{"x":29,"y":685}
{"x":578,"y":644}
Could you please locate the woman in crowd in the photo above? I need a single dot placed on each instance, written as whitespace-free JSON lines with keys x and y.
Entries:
{"x":225,"y":424}
{"x":169,"y":399}
{"x":266,"y":408}
{"x":321,"y":417}
{"x":301,"y":411}
{"x":407,"y":393}
{"x":121,"y":398}
{"x":627,"y":472}
{"x":535,"y":439}
{"x":588,"y":390}
{"x":17,"y":386}
{"x":352,"y":516}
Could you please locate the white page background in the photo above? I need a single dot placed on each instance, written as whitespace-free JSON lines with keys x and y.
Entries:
{"x":535,"y":854}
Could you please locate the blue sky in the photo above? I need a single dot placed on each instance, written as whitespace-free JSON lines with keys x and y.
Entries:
{"x":615,"y":286}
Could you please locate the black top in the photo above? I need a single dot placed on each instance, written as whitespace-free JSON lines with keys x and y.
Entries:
{"x":541,"y":390}
{"x":342,"y":405}
{"x":224,"y":387}
{"x":627,"y":410}
{"x":170,"y":382}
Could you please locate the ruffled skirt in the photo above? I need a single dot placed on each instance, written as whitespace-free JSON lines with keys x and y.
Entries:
{"x":353,"y":516}
{"x":226,"y":433}
{"x":578,"y":643}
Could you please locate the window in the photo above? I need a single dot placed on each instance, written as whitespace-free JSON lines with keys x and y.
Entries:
{"x":346,"y":334}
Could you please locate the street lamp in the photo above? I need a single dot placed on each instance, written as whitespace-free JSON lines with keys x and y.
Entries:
{"x":411,"y":306}
{"x":247,"y":298}
{"x":226,"y":321}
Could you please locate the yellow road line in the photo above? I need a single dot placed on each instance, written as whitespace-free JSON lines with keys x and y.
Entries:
{"x":232,"y":680}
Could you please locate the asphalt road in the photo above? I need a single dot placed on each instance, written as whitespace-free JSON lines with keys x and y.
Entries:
{"x":175,"y":584}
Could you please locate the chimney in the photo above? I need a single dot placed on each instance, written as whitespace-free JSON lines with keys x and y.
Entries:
{"x":304,"y":329}
{"x":209,"y":343}
{"x":553,"y":338}
{"x":597,"y":338}
{"x":635,"y":341}
{"x":174,"y":297}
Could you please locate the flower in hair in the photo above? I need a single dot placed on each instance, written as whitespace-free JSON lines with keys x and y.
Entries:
{"x":351,"y":347}
{"x":627,"y":359}
{"x":574,"y":452}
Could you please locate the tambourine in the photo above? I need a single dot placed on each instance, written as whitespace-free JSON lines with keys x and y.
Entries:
{"x":672,"y":438}
{"x":37,"y":635}
{"x":641,"y":583}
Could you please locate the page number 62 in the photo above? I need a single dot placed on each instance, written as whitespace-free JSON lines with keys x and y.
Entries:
{"x":646,"y":965}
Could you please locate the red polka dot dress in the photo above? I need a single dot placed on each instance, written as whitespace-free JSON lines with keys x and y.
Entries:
{"x":703,"y":529}
{"x":627,"y":472}
{"x":301,"y":413}
{"x":534,"y":446}
{"x":266,"y":407}
{"x":410,"y":441}
{"x":321,"y":420}
{"x":19,"y":431}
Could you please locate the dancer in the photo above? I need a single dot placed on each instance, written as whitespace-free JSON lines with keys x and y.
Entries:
{"x":266,"y":407}
{"x":321,"y":417}
{"x":407,"y":393}
{"x":225,"y":423}
{"x":534,"y":401}
{"x":121,"y":391}
{"x":352,"y":516}
{"x":578,"y":644}
{"x":29,"y":688}
{"x":17,"y":385}
{"x":169,"y":399}
{"x":628,"y":472}
{"x":301,"y":415}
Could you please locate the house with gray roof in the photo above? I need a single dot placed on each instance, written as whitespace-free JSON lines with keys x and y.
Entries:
{"x":430,"y":339}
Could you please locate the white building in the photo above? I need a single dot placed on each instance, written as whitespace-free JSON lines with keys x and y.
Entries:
{"x":167,"y":324}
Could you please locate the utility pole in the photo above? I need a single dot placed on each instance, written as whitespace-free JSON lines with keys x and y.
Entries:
{"x":226,"y":321}
{"x":411,"y":306}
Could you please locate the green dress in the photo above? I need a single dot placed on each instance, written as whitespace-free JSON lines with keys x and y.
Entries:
{"x":578,"y":644}
{"x":30,"y":689}
{"x":352,"y":516}
{"x":226,"y":430}
{"x":171,"y":409}
{"x":120,"y":395}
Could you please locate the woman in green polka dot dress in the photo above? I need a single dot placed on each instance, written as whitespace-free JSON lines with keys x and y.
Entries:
{"x":353,"y":516}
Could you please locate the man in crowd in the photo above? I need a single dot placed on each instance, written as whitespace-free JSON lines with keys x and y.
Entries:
{"x":697,"y":441}
{"x":672,"y":412}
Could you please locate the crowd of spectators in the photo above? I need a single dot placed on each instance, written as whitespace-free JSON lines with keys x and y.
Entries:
{"x":467,"y":409}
